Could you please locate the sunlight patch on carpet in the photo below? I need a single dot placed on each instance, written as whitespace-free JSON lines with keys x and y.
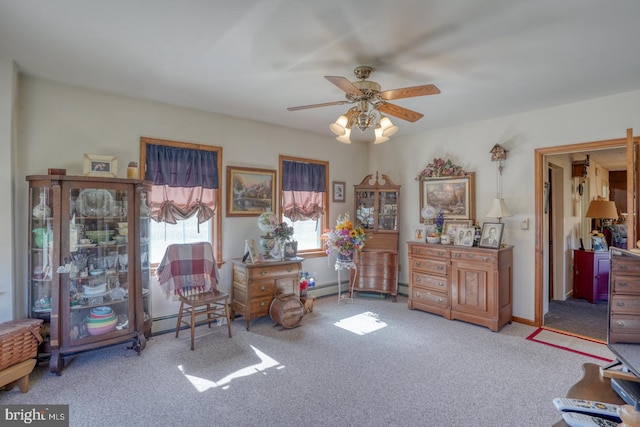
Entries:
{"x":574,"y":343}
{"x":361,"y":324}
{"x":204,"y":384}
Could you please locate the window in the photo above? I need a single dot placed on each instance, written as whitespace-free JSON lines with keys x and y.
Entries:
{"x":304,"y":201}
{"x":205,"y":201}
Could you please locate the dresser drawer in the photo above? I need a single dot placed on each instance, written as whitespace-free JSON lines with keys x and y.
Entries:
{"x":432,"y":282}
{"x":268,"y":272}
{"x":428,"y":265}
{"x":625,"y":304}
{"x":262,"y":287}
{"x":429,"y":251}
{"x":259,"y":306}
{"x":439,"y":299}
{"x":626,"y":285}
{"x":625,"y":325}
{"x":626,"y":265}
{"x":484,"y":256}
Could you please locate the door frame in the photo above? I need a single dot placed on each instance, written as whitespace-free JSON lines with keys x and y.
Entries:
{"x":540,"y":173}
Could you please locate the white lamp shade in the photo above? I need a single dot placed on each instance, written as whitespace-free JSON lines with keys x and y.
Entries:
{"x":345,"y":137}
{"x":388,"y":128}
{"x":498,"y":209}
{"x":338,"y":127}
{"x":379,"y":136}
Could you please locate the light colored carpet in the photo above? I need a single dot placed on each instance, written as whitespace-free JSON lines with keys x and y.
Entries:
{"x":402,"y":367}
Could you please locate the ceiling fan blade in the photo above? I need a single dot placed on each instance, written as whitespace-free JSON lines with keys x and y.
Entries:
{"x":325,"y":104}
{"x":344,"y":84}
{"x":408,"y":92}
{"x":400,"y":112}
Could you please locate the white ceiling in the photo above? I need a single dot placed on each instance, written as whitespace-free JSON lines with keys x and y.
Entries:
{"x":255,"y":58}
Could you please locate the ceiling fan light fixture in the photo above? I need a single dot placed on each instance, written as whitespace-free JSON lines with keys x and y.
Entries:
{"x":339,"y":126}
{"x":388,"y":128}
{"x":378,"y":132}
{"x":345,"y":137}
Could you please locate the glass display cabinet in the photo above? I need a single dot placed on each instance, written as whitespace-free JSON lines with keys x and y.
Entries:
{"x":88,"y":264}
{"x":377,"y":211}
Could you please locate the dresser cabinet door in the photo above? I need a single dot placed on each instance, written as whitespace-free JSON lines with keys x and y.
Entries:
{"x":470,"y":289}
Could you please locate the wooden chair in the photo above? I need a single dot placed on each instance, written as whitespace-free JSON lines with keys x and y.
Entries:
{"x":190,"y":271}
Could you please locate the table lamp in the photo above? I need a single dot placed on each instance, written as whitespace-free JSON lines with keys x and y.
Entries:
{"x":602,"y":209}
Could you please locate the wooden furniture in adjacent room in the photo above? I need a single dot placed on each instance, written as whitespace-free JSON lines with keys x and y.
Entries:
{"x":254,"y":286}
{"x":591,"y":275}
{"x":377,"y":207}
{"x":465,"y":283}
{"x":88,"y":248}
{"x":624,"y":306}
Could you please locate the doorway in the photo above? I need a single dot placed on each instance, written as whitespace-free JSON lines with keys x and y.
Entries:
{"x":553,"y":248}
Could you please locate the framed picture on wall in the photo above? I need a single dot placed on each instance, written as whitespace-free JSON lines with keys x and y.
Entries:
{"x":250,"y":191}
{"x":338,"y":191}
{"x":453,"y":196}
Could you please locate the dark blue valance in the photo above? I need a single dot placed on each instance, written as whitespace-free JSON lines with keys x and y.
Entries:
{"x":300,"y":176}
{"x":181,"y":167}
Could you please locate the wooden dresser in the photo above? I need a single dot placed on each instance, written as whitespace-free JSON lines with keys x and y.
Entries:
{"x":465,"y":283}
{"x":254,"y":286}
{"x":624,"y":303}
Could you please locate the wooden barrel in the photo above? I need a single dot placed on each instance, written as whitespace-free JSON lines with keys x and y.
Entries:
{"x":286,"y":310}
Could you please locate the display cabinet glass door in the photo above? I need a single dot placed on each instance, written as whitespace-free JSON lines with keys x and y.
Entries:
{"x":388,"y":210}
{"x":97,"y":278}
{"x":42,"y":261}
{"x":365,"y":209}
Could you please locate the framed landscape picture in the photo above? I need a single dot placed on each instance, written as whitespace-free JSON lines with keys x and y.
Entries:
{"x":453,"y":196}
{"x":250,"y":191}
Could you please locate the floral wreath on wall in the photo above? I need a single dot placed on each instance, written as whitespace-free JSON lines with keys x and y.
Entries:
{"x":440,"y":168}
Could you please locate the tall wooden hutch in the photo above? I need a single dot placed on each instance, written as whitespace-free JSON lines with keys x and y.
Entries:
{"x":88,"y":248}
{"x":377,"y":207}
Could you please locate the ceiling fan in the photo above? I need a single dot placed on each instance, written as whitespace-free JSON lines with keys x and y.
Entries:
{"x":369,"y":99}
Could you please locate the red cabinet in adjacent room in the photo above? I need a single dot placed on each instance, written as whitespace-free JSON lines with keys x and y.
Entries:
{"x":591,"y":275}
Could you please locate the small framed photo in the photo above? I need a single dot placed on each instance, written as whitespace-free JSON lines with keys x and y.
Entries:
{"x":338,"y":191}
{"x":491,"y":235}
{"x":96,"y":165}
{"x":291,"y":250}
{"x":599,"y":244}
{"x":419,"y":233}
{"x":464,"y":236}
{"x":252,"y":254}
{"x":451,"y":227}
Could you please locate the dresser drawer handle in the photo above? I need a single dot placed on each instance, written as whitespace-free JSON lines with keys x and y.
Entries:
{"x":440,"y":299}
{"x":441,"y":253}
{"x":471,"y":256}
{"x":440,"y":267}
{"x":418,"y":280}
{"x":262,"y":273}
{"x":262,"y":304}
{"x":289,"y":269}
{"x":619,"y":323}
{"x":457,"y":255}
{"x":417,"y":294}
{"x":623,"y":284}
{"x":620,"y":304}
{"x":262,"y":288}
{"x":485,"y":258}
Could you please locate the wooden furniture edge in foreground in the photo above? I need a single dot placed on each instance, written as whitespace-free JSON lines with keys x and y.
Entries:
{"x":610,"y":372}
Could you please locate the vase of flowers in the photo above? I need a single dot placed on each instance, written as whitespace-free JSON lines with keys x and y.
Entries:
{"x":283,"y":233}
{"x":345,"y":239}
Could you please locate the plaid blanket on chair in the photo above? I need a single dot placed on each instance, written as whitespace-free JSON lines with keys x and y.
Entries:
{"x":188,"y":267}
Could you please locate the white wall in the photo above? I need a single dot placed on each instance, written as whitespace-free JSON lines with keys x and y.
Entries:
{"x":8,"y":121}
{"x":59,"y":123}
{"x":403,"y":157}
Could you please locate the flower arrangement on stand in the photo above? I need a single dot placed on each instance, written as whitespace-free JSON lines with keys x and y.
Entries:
{"x":345,"y":238}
